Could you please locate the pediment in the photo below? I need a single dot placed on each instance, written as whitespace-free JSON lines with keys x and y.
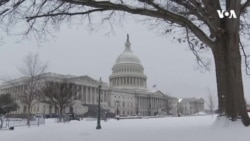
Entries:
{"x":86,"y":79}
{"x":158,"y":93}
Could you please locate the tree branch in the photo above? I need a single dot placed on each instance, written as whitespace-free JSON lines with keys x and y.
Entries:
{"x":200,"y":61}
{"x":244,"y":6}
{"x":166,"y":15}
{"x":64,"y":13}
{"x":247,"y":67}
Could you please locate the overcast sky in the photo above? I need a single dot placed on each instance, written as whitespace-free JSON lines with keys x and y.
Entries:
{"x":76,"y":51}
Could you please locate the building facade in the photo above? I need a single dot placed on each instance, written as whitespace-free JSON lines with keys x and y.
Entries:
{"x":126,"y":94}
{"x":190,"y":106}
{"x":87,"y":93}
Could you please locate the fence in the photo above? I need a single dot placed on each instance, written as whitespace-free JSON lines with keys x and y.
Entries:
{"x":15,"y":122}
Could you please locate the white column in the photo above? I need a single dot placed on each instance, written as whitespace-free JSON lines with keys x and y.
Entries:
{"x":154,"y":103}
{"x":136,"y":81}
{"x":126,"y":79}
{"x":143,"y":101}
{"x":87,"y":95}
{"x":84,"y":93}
{"x":78,"y":92}
{"x":158,"y":102}
{"x":130,"y":81}
{"x":81,"y":93}
{"x":92,"y":95}
{"x":151,"y":102}
{"x":96,"y":95}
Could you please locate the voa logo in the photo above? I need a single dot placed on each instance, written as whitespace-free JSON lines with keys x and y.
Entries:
{"x":230,"y":14}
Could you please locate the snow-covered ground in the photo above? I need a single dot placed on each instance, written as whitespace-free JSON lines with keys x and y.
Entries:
{"x":197,"y":128}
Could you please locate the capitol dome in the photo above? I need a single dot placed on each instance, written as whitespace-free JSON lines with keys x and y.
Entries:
{"x":128,"y":71}
{"x":127,"y":56}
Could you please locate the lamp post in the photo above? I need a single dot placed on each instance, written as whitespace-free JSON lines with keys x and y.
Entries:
{"x":99,"y":106}
{"x":117,"y":110}
{"x":179,"y":108}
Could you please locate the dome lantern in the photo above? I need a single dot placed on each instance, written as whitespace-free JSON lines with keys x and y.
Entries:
{"x":127,"y":44}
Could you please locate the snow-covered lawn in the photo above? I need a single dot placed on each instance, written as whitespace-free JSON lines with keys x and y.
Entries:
{"x":197,"y":128}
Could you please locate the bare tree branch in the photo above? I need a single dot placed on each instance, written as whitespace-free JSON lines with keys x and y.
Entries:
{"x":158,"y":13}
{"x":193,"y":44}
{"x":64,"y":13}
{"x":31,"y":70}
{"x":244,"y":6}
{"x":245,"y":56}
{"x":60,"y":94}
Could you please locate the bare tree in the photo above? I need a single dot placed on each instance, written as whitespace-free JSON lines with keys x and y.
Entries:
{"x":60,"y":94}
{"x":31,"y":70}
{"x":203,"y":24}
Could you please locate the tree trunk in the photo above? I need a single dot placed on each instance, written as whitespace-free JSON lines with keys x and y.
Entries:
{"x":29,"y":115}
{"x":227,"y":59}
{"x":60,"y":113}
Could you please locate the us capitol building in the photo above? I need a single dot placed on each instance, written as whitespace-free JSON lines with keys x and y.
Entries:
{"x":125,"y":95}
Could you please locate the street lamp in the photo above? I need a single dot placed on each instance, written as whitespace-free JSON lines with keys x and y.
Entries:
{"x":99,"y":106}
{"x":117,"y":110}
{"x":179,"y":110}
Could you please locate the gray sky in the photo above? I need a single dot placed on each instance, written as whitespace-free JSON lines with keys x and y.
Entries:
{"x":168,"y":64}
